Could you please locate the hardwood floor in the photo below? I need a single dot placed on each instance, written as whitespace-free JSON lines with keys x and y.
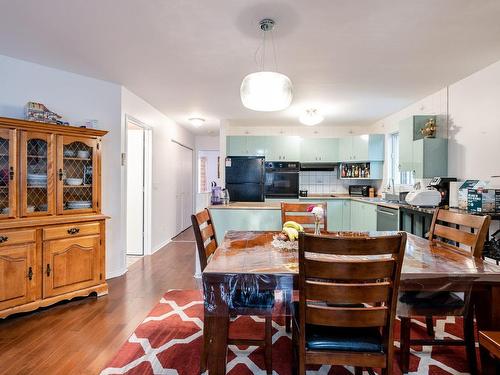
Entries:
{"x":80,"y":337}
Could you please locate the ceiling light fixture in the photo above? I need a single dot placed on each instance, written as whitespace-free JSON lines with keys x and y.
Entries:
{"x":266,"y":91}
{"x":311,"y":117}
{"x":197,"y":121}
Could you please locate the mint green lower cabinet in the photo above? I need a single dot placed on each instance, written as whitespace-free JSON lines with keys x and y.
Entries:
{"x":369,"y":217}
{"x":335,"y":210}
{"x":225,"y":219}
{"x":346,"y":214}
{"x":363,"y":216}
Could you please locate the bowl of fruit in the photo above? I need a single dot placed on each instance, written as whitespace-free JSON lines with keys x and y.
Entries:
{"x":288,"y":237}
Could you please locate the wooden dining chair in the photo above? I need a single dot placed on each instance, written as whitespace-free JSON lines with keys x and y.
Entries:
{"x":243,"y":302}
{"x":448,"y":231}
{"x":348,"y":292}
{"x":298,"y":212}
{"x":489,"y":345}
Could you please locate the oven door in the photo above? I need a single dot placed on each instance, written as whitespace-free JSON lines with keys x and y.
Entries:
{"x":281,"y":185}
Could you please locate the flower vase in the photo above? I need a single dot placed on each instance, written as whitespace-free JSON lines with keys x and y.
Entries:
{"x":317,"y":230}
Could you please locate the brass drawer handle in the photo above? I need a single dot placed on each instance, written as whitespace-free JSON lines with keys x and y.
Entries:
{"x":48,"y":270}
{"x":3,"y":239}
{"x":73,"y":230}
{"x":30,"y":273}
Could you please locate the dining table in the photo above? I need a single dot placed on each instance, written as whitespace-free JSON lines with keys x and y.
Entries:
{"x":254,"y":261}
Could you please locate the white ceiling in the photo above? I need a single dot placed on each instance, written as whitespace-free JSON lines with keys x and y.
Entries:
{"x":358,"y":60}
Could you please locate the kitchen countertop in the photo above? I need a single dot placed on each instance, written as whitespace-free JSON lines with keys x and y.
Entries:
{"x":276,"y":204}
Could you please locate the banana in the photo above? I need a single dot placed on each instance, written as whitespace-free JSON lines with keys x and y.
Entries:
{"x":294,"y":225}
{"x":292,"y":233}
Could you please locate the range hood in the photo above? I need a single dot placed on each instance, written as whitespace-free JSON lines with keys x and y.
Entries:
{"x":318,"y":166}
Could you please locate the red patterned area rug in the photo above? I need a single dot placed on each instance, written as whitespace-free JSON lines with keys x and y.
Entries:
{"x":169,"y":341}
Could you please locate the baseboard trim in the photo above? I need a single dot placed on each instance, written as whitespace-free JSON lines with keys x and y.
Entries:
{"x":161,"y":245}
{"x":118,"y":273}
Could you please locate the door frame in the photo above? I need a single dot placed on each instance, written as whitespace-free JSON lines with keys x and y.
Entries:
{"x":148,"y":168}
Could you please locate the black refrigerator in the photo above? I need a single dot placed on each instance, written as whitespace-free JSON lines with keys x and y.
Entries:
{"x":245,"y":178}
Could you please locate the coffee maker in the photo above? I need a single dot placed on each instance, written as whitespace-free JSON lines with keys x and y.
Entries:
{"x":442,"y":184}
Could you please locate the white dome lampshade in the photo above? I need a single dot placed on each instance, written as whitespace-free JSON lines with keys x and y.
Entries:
{"x":266,"y":91}
{"x":311,"y":117}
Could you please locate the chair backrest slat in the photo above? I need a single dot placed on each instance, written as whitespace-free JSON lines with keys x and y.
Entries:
{"x":346,"y":317}
{"x":441,"y":232}
{"x":349,"y":269}
{"x":453,"y":234}
{"x":207,"y":232}
{"x":348,"y":293}
{"x":298,"y":212}
{"x":204,"y":233}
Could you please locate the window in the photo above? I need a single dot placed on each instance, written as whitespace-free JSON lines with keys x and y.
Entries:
{"x":207,"y":170}
{"x":202,"y":178}
{"x":399,"y":177}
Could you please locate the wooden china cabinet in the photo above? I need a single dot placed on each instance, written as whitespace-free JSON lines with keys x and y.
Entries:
{"x":51,"y":228}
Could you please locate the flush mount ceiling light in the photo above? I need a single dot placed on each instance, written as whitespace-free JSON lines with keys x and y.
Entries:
{"x":311,"y":117}
{"x":266,"y":91}
{"x":197,"y":121}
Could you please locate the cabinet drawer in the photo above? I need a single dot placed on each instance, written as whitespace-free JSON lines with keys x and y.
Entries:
{"x":12,"y":237}
{"x":70,"y":230}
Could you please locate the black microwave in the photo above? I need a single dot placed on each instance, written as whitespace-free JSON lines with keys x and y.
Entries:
{"x":359,"y":190}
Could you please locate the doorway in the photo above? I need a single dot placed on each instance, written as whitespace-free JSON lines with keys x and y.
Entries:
{"x":138,"y":174}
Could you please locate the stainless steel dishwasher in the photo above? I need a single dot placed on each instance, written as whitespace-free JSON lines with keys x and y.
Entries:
{"x":387,"y":218}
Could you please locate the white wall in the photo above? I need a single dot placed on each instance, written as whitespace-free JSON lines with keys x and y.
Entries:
{"x":76,"y":98}
{"x":469,"y":113}
{"x":163,"y":188}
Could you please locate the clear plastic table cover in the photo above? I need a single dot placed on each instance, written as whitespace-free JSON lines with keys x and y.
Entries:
{"x":247,"y":267}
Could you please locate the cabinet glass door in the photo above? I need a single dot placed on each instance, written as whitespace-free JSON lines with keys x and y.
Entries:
{"x":7,"y":173}
{"x":76,"y":180}
{"x":37,"y":182}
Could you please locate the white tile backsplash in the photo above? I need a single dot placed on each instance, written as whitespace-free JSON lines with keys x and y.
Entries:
{"x":320,"y":182}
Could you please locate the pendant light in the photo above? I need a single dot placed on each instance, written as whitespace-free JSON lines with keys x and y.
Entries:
{"x":266,"y":91}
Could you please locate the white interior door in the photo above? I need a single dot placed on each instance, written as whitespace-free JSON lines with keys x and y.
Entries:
{"x":135,"y":190}
{"x":187,"y":202}
{"x":183,"y":187}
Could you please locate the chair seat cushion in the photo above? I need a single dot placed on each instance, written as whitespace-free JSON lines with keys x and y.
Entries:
{"x":341,"y":338}
{"x":432,"y":299}
{"x":252,"y":299}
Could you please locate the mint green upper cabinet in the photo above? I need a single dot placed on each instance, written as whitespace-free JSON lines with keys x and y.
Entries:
{"x":284,"y":148}
{"x":362,"y":148}
{"x":425,"y":157}
{"x":237,"y":146}
{"x":257,"y":145}
{"x":345,"y":149}
{"x":319,"y":149}
{"x":430,"y":157}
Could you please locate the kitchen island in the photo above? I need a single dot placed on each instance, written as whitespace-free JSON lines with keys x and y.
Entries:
{"x":344,"y":213}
